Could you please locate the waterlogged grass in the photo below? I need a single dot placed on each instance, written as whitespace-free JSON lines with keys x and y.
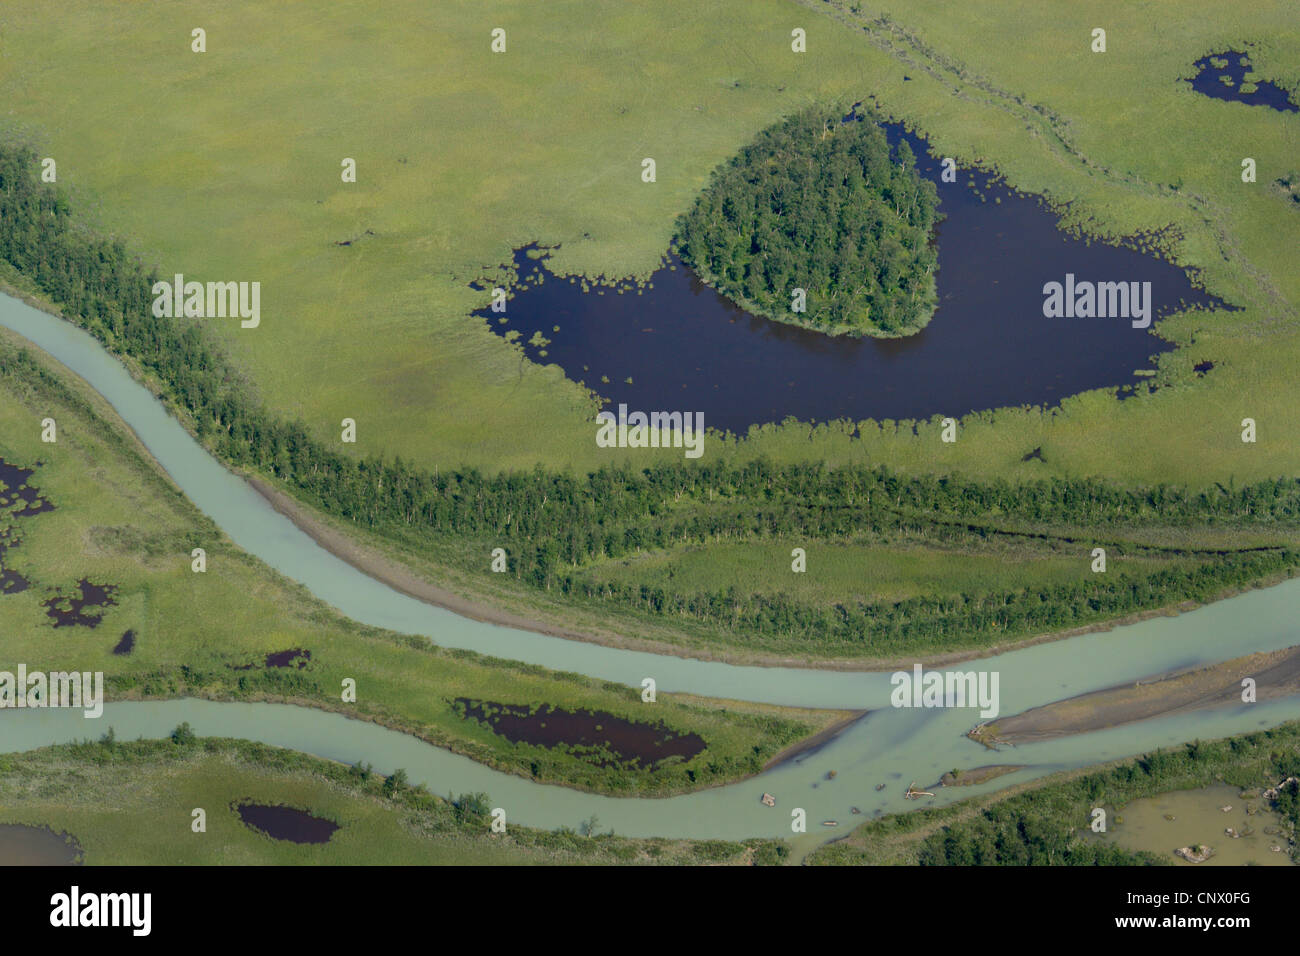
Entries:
{"x":131,"y":803}
{"x":233,"y":172}
{"x":117,"y":521}
{"x":1131,"y":148}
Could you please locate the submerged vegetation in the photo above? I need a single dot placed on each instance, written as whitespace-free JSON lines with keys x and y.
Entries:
{"x":819,"y":204}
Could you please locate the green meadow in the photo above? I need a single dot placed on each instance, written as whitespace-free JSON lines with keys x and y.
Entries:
{"x":865,"y":571}
{"x":118,"y":521}
{"x":227,"y":164}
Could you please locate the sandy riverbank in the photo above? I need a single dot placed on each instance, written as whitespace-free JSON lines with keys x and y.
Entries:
{"x":385,"y":568}
{"x":1276,"y":675}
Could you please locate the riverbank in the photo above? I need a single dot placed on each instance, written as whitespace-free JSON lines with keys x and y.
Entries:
{"x":818,"y":740}
{"x":390,"y":563}
{"x":93,"y":792}
{"x":243,"y":631}
{"x":1275,"y":674}
{"x":1045,"y":822}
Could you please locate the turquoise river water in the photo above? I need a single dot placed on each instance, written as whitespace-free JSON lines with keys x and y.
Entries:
{"x":893,"y":746}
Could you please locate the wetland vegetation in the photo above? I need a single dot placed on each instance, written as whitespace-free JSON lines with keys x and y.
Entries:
{"x":97,"y":509}
{"x":130,"y":802}
{"x":497,"y":450}
{"x":1165,"y":438}
{"x":1047,"y":823}
{"x":555,"y":526}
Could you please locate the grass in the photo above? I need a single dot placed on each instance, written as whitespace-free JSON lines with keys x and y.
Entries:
{"x":131,"y":804}
{"x":117,"y":520}
{"x":233,"y":171}
{"x":865,"y":571}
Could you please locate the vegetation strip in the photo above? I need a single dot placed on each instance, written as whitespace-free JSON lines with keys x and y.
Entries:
{"x":125,"y":802}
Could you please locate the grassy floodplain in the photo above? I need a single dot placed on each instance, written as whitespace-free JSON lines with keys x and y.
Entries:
{"x":129,"y":803}
{"x":557,"y":526}
{"x":464,"y":155}
{"x":117,"y":520}
{"x":480,"y":157}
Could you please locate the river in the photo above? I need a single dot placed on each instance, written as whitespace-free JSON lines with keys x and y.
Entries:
{"x":891,"y":746}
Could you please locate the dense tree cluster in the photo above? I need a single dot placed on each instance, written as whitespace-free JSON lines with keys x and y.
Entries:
{"x":820,"y":205}
{"x":555,"y":526}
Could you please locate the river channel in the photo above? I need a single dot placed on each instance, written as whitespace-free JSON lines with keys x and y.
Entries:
{"x":890,"y":746}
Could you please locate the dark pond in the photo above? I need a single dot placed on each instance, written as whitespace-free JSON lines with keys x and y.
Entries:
{"x":286,"y":823}
{"x":11,"y":582}
{"x":83,"y":609}
{"x":680,"y":346}
{"x":290,"y":658}
{"x":14,"y":488}
{"x":22,"y":845}
{"x":599,"y":737}
{"x":126,"y":645}
{"x":1221,"y":75}
{"x":16,"y":491}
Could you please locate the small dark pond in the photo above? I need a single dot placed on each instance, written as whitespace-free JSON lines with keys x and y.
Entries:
{"x":295,"y":657}
{"x":83,"y":609}
{"x":126,"y":645}
{"x":22,"y":845}
{"x":286,"y":823}
{"x":1221,"y":76}
{"x":680,"y":346}
{"x":600,"y":737}
{"x":11,"y":582}
{"x":15,"y":490}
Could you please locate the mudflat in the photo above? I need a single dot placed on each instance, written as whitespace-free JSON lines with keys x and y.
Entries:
{"x":1276,"y":674}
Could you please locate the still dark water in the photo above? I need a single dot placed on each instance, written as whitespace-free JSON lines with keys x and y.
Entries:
{"x":22,"y":845}
{"x":687,"y":348}
{"x":1209,"y":80}
{"x":596,"y":736}
{"x":286,"y":823}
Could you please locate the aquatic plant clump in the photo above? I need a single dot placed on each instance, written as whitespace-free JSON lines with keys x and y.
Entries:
{"x":816,"y":223}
